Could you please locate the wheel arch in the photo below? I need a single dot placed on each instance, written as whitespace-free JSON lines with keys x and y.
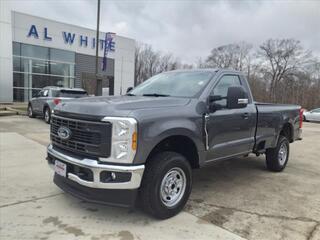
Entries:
{"x":287,"y":131}
{"x":178,"y":143}
{"x":45,"y":106}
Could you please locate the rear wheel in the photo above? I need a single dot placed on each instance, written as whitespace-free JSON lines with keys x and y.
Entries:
{"x":47,"y":115}
{"x":166,"y":185}
{"x":30,"y":112}
{"x":277,"y":158}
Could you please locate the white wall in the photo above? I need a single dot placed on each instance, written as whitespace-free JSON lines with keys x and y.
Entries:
{"x":22,"y":23}
{"x":17,"y":27}
{"x":124,"y":47}
{"x":124,"y":66}
{"x":6,"y":78}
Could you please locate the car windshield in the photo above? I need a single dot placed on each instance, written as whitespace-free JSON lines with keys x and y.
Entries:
{"x":176,"y":84}
{"x":69,"y":93}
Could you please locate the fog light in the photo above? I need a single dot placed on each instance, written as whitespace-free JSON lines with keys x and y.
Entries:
{"x":114,"y":177}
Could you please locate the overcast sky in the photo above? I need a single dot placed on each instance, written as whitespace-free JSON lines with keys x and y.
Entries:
{"x":190,"y":29}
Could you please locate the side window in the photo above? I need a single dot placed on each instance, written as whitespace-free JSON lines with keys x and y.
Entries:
{"x":55,"y":93}
{"x":222,"y":87}
{"x":45,"y":93}
{"x":40,"y":94}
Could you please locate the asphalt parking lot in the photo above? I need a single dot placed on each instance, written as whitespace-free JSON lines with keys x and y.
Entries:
{"x":235,"y":199}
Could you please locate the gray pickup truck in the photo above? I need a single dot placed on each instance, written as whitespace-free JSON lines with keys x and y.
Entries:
{"x":45,"y":101}
{"x":140,"y":149}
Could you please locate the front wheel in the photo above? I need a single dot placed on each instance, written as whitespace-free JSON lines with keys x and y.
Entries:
{"x":277,"y":158}
{"x":166,"y":185}
{"x":47,"y":115}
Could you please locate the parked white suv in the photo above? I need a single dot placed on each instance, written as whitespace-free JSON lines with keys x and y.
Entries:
{"x":49,"y":97}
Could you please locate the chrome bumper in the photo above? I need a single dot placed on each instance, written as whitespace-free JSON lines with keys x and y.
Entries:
{"x":97,"y":168}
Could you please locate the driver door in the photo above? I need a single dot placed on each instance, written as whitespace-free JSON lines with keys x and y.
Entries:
{"x":230,"y":131}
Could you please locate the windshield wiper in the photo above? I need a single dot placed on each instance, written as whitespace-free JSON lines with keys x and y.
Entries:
{"x":156,"y":95}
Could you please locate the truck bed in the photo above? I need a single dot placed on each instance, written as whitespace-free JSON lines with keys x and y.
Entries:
{"x":270,"y":120}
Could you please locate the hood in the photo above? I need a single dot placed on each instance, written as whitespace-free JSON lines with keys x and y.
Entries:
{"x":120,"y":106}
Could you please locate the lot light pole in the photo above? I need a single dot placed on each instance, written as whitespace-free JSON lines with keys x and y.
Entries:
{"x":98,"y":79}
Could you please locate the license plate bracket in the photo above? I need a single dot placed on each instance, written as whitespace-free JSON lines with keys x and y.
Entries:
{"x":60,"y":168}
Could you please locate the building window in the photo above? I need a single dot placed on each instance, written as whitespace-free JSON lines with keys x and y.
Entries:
{"x":35,"y":67}
{"x":61,"y":55}
{"x":34,"y":51}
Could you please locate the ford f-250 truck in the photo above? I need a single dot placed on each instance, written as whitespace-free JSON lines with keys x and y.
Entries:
{"x":141,"y":148}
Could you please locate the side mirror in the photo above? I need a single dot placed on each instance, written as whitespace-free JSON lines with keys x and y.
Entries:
{"x":214,"y":98}
{"x":129,"y":89}
{"x":237,"y":97}
{"x":212,"y":105}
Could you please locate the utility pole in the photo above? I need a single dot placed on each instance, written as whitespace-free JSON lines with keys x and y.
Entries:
{"x":98,"y":79}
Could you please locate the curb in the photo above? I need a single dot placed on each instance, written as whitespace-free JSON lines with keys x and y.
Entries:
{"x":8,"y":111}
{"x":18,"y":112}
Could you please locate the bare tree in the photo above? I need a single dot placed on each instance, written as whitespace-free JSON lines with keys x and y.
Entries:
{"x":138,"y":64}
{"x":201,"y":63}
{"x":279,"y":71}
{"x":280,"y":59}
{"x":149,"y":62}
{"x":146,"y":61}
{"x":235,"y":56}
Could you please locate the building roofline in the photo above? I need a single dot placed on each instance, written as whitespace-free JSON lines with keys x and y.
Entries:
{"x":70,"y":24}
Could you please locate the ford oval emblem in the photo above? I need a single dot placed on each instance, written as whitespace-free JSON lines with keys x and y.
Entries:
{"x":64,"y":133}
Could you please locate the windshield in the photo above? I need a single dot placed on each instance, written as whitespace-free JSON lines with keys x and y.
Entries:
{"x":69,"y":93}
{"x":176,"y":84}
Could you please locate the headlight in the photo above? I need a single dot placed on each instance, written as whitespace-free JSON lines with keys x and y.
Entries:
{"x":121,"y":128}
{"x":124,"y":139}
{"x":120,"y":150}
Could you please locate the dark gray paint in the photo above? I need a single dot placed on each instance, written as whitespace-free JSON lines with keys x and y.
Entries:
{"x":86,"y":64}
{"x":230,"y":134}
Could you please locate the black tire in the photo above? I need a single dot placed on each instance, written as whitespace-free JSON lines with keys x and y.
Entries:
{"x":30,"y":112}
{"x":156,"y":169}
{"x":304,"y":119}
{"x":47,"y":114}
{"x":276,"y":161}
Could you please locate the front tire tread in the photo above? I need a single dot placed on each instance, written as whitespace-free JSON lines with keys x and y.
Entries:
{"x":150,"y":186}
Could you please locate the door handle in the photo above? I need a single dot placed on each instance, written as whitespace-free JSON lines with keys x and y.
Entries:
{"x":245,"y":115}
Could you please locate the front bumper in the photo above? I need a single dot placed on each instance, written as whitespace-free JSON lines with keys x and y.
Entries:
{"x":113,"y":197}
{"x":97,"y":169}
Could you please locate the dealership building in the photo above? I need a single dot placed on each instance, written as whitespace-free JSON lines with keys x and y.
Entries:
{"x":36,"y":52}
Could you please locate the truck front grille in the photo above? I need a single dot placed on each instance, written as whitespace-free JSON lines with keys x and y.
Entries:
{"x":89,"y":138}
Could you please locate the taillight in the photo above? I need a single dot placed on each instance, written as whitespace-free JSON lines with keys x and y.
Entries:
{"x":56,"y":101}
{"x":300,"y":118}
